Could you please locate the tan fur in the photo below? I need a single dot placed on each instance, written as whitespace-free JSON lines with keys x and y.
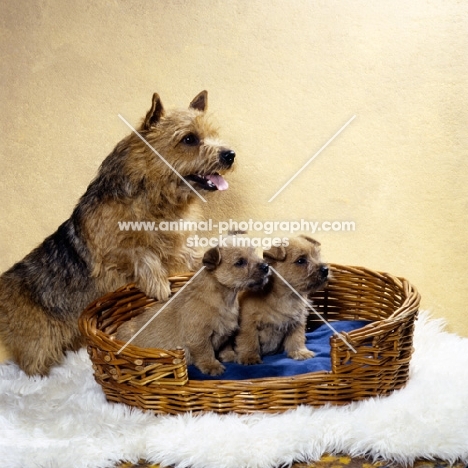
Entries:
{"x":273,"y":320}
{"x":42,"y":296}
{"x":205,"y":314}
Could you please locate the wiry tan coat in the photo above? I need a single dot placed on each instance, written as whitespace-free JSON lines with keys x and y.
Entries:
{"x":42,"y":296}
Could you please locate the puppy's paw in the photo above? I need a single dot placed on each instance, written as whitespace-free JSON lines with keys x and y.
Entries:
{"x":227,"y":355}
{"x":249,"y":359}
{"x":214,"y":368}
{"x":301,"y":354}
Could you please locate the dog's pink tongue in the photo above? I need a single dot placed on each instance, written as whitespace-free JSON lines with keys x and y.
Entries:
{"x":219,"y":181}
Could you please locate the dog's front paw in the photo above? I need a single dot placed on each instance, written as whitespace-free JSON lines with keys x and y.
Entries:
{"x":163,"y":291}
{"x":214,"y":368}
{"x":249,"y":359}
{"x":301,"y":354}
{"x":160,"y":290}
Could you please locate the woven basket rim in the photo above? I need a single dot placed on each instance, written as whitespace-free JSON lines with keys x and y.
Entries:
{"x":408,"y":307}
{"x":157,"y":380}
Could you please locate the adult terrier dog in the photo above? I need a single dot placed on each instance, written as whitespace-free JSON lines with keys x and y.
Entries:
{"x":42,"y":296}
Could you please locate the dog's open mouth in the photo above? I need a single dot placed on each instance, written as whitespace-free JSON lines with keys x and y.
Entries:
{"x":210,"y":181}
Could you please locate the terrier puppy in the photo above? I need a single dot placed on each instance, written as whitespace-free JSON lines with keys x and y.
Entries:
{"x":42,"y":296}
{"x":205,"y":314}
{"x":274,"y":319}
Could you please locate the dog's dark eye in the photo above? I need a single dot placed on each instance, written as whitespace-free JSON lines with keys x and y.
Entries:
{"x":301,"y":261}
{"x":241,"y":262}
{"x":191,"y":139}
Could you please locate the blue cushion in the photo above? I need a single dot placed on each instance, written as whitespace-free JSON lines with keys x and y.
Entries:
{"x":279,"y":365}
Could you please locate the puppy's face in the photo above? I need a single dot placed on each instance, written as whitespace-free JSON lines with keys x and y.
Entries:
{"x":238,"y":268}
{"x":299,"y":264}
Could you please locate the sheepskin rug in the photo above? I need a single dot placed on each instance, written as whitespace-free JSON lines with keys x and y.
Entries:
{"x":65,"y":420}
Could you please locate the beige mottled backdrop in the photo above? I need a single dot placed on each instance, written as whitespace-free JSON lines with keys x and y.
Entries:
{"x":283,"y":77}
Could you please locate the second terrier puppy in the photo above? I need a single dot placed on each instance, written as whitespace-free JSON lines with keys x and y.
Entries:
{"x":274,"y":319}
{"x":206,"y":313}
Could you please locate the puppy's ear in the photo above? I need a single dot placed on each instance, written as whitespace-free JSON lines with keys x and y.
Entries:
{"x":212,"y":258}
{"x":154,"y":114}
{"x":312,"y":241}
{"x":200,"y":101}
{"x":275,"y":254}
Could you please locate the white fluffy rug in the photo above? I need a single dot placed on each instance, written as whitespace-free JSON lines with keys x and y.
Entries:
{"x":64,"y":420}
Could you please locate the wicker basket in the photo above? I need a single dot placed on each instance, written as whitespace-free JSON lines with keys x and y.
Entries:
{"x":156,"y":380}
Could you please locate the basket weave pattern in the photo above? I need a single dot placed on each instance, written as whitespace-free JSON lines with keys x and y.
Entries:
{"x":157,"y":380}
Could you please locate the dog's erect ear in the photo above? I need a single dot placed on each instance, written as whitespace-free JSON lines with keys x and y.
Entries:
{"x":276,"y":254}
{"x":154,"y":114}
{"x":312,"y":241}
{"x":200,"y":101}
{"x":212,"y":258}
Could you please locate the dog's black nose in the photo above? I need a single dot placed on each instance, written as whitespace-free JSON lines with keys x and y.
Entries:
{"x":324,"y":271}
{"x":227,"y":156}
{"x":264,"y":267}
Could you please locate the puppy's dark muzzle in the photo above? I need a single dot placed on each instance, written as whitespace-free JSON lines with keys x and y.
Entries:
{"x":227,"y":157}
{"x":261,"y":276}
{"x":323,"y":271}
